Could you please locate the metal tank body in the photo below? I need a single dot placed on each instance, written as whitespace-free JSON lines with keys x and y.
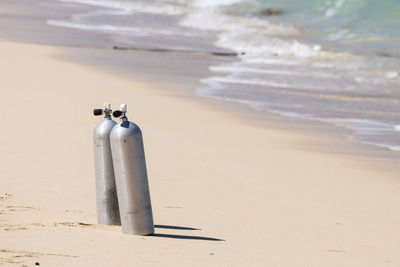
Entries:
{"x":106,"y":194}
{"x":131,"y":179}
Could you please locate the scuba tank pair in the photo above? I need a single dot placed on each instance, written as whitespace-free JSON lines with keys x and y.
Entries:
{"x":122,"y":188}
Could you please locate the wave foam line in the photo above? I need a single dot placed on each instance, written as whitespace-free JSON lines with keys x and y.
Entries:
{"x":137,"y":6}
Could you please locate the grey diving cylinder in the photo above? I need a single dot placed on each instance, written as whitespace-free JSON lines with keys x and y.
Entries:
{"x":131,"y":176}
{"x":106,"y":193}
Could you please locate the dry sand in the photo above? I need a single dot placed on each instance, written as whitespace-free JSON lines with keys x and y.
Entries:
{"x":269,"y":199}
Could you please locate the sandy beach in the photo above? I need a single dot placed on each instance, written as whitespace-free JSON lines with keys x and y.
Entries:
{"x":225,"y":192}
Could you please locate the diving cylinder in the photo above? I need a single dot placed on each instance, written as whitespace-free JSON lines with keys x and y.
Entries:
{"x":106,"y":193}
{"x":131,"y":176}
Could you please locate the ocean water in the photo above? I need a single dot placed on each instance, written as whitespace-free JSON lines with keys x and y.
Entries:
{"x":332,"y":61}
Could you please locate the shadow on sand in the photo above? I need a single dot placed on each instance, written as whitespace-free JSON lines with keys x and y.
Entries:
{"x":191,"y":237}
{"x":173,"y":227}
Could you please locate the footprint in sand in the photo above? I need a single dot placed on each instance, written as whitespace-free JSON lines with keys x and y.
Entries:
{"x":20,"y":256}
{"x":74,"y":211}
{"x":82,"y":225}
{"x":19,"y":208}
{"x":10,"y":260}
{"x":5,"y":196}
{"x":12,"y":227}
{"x":11,"y":208}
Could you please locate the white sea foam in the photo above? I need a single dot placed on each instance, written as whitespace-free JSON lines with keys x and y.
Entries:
{"x":333,"y":8}
{"x":383,"y":145}
{"x":251,"y":36}
{"x":364,"y":126}
{"x":212,"y":19}
{"x":105,"y":28}
{"x":260,"y":82}
{"x":238,"y":68}
{"x":391,"y":74}
{"x":214,"y":3}
{"x":252,"y":45}
{"x":135,"y":6}
{"x":115,"y":29}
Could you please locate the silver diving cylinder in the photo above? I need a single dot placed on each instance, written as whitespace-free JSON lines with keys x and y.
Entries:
{"x":106,"y":191}
{"x":131,"y":176}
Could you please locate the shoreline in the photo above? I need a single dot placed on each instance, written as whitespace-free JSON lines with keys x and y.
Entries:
{"x":339,"y":141}
{"x":323,"y":137}
{"x":232,"y":185}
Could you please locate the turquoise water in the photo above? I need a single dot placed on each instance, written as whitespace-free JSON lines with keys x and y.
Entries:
{"x":364,"y":26}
